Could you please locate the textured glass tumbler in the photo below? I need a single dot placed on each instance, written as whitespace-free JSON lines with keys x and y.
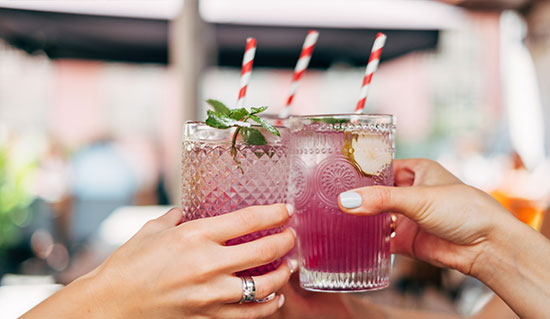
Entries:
{"x":213,"y":184}
{"x":331,"y":154}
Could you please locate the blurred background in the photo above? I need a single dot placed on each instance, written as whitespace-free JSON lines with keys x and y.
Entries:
{"x":93,"y":96}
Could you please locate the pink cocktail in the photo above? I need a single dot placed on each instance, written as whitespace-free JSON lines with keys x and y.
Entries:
{"x":331,"y":155}
{"x":213,"y":183}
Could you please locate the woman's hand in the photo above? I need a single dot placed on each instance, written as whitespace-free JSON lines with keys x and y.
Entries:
{"x":442,"y":221}
{"x":449,"y":224}
{"x":174,"y":270}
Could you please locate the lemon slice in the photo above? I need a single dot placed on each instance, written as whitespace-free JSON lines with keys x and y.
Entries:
{"x":371,"y":152}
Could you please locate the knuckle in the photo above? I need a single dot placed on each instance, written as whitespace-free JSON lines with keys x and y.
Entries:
{"x":191,"y":232}
{"x":175,"y":210}
{"x":266,"y":254}
{"x":267,"y":286}
{"x":477,"y":196}
{"x":275,"y":281}
{"x":248,"y":217}
{"x":264,"y":290}
{"x":382,"y":196}
{"x":151,"y":224}
{"x":425,"y":162}
{"x":469,"y":191}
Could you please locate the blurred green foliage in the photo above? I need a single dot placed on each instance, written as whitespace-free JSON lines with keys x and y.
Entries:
{"x":15,"y":196}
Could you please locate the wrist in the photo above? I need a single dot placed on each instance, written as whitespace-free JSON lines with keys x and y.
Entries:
{"x":86,"y":297}
{"x":513,"y":264}
{"x":100,"y":298}
{"x":495,"y":255}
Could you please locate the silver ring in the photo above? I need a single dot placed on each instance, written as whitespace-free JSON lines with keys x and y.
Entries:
{"x":249,"y":289}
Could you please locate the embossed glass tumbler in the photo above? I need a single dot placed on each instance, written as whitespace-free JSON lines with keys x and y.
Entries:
{"x":214,"y":183}
{"x":331,"y":154}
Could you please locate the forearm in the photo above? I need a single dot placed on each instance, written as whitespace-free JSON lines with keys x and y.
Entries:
{"x":516,"y":266}
{"x":496,"y":308}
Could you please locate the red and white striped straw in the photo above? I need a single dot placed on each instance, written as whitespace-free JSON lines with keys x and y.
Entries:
{"x":300,"y":69}
{"x":248,"y":59}
{"x":374,"y":60}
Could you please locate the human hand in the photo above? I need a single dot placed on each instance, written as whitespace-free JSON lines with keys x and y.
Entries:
{"x":449,"y":224}
{"x":174,"y":270}
{"x":442,"y":220}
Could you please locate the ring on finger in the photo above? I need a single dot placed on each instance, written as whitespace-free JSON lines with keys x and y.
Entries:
{"x":249,"y":289}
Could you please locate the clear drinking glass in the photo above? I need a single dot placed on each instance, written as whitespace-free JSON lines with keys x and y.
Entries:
{"x":214,"y":184}
{"x":330,"y":155}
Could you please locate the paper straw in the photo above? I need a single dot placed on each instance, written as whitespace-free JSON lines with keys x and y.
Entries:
{"x":300,"y":69}
{"x":248,"y":59}
{"x":374,"y":60}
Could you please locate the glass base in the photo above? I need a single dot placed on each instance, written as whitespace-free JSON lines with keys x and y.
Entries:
{"x":343,"y":282}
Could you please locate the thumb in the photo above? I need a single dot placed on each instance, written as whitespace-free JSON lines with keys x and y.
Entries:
{"x":169,"y":219}
{"x":412,"y":202}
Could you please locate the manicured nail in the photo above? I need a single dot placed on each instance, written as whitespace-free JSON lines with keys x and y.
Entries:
{"x":292,"y":265}
{"x":350,"y":199}
{"x":290,"y":209}
{"x":281,"y":300}
{"x":293,"y":231}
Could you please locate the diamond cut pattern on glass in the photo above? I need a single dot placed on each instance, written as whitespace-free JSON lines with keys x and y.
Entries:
{"x":300,"y":189}
{"x":212,"y":184}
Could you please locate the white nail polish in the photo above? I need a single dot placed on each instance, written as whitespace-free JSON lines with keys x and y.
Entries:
{"x":290,"y":209}
{"x":292,"y":265}
{"x":293,"y":231}
{"x":281,"y":300}
{"x":350,"y":199}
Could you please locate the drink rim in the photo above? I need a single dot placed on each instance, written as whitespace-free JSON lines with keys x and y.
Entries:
{"x":191,"y":129}
{"x":351,"y":122}
{"x":252,"y":125}
{"x":389,"y":117}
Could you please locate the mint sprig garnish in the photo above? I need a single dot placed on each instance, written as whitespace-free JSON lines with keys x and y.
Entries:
{"x":223,"y":117}
{"x":222,"y":121}
{"x":331,"y":120}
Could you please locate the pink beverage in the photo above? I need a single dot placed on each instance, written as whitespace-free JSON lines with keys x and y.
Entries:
{"x":213,"y":183}
{"x":277,"y":120}
{"x":330,"y":155}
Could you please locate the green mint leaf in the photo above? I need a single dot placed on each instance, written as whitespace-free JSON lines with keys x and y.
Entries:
{"x":222,"y":121}
{"x":238,"y":114}
{"x":223,"y":118}
{"x":253,"y":136}
{"x":265,"y":124}
{"x":256,"y":110}
{"x":219,"y":106}
{"x":331,"y":120}
{"x":216,"y":122}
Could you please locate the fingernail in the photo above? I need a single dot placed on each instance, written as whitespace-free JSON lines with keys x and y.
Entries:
{"x":290,"y":209}
{"x":292,"y":265}
{"x":350,"y":199}
{"x":281,"y":300}
{"x":293,"y":231}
